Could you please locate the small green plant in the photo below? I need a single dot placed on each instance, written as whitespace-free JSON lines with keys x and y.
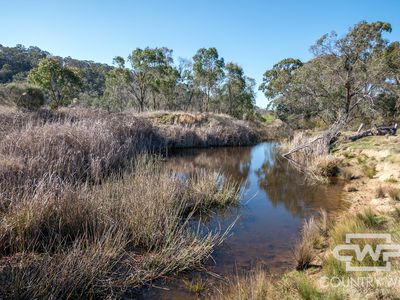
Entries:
{"x":369,"y":171}
{"x":349,"y":155}
{"x":391,"y":179}
{"x":305,"y":288}
{"x":333,"y":267}
{"x":361,"y":159}
{"x":197,"y":285}
{"x":371,"y":219}
{"x":268,"y":118}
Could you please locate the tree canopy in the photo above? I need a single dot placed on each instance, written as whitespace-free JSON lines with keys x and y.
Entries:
{"x":347,"y":77}
{"x":62,"y":83}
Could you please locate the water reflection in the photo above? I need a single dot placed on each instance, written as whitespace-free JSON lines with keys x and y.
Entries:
{"x":234,"y":162}
{"x":275,"y":200}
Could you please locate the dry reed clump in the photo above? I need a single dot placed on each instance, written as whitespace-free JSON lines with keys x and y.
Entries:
{"x":78,"y":145}
{"x":326,"y":166}
{"x":131,"y":228}
{"x":96,"y":241}
{"x":391,"y":191}
{"x":207,"y":131}
{"x":256,"y":284}
{"x":304,"y":252}
{"x":311,"y":155}
{"x":11,"y":121}
{"x":313,"y":232}
{"x":87,"y":149}
{"x":309,"y":147}
{"x":211,"y":189}
{"x":380,"y":191}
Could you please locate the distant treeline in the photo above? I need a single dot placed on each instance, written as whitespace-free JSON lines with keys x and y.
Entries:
{"x":351,"y":77}
{"x":148,"y":79}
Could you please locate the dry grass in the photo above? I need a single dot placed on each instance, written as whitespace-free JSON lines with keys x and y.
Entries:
{"x":304,"y":252}
{"x":88,"y":145}
{"x":313,"y":236}
{"x":380,"y":191}
{"x":74,"y":149}
{"x":326,"y":166}
{"x":259,"y":285}
{"x":393,"y":192}
{"x":312,"y":157}
{"x":120,"y":234}
{"x":183,"y":130}
{"x":387,"y":190}
{"x":75,"y":225}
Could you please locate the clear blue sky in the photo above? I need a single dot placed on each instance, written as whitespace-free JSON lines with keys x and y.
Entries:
{"x":255,"y":34}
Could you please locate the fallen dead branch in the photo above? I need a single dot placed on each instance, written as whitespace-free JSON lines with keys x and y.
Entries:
{"x":375,"y":130}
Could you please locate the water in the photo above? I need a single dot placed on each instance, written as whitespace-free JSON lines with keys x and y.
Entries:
{"x":275,"y":201}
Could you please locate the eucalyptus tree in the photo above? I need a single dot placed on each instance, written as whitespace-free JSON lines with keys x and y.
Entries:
{"x":149,"y":67}
{"x":118,"y":94}
{"x":208,"y":70}
{"x":150,"y":73}
{"x":343,"y":80}
{"x":239,"y":91}
{"x":352,"y":69}
{"x":166,"y":85}
{"x":187,"y":89}
{"x":392,"y":59}
{"x":277,"y":86}
{"x":60,"y":82}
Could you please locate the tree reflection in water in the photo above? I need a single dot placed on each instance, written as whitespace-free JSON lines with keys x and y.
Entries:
{"x":275,"y":200}
{"x":286,"y":186}
{"x":232,"y":162}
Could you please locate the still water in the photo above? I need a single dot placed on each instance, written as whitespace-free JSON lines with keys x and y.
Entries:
{"x":275,"y":200}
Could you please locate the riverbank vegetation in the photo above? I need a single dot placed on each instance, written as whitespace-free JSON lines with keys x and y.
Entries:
{"x":61,"y":239}
{"x":320,"y":275}
{"x":352,"y":80}
{"x":87,"y":212}
{"x":86,"y":209}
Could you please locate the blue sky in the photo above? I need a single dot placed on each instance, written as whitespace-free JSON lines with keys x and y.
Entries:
{"x":254,"y":34}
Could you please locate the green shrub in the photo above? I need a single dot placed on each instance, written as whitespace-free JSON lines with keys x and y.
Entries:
{"x":24,"y":96}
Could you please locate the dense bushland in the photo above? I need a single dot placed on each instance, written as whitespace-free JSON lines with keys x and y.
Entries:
{"x":148,"y":79}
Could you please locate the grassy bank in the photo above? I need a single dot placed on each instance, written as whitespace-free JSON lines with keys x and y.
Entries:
{"x":321,"y":276}
{"x":85,"y":213}
{"x":371,"y":169}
